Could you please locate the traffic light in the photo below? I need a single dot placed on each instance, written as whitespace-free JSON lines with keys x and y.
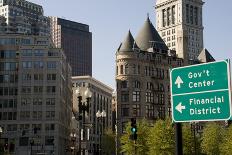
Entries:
{"x":133,"y":135}
{"x":5,"y":146}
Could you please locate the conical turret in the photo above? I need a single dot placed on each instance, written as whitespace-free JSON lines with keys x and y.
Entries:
{"x":128,"y":44}
{"x":148,"y":37}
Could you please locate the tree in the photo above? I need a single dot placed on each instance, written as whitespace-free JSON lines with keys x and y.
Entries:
{"x":226,"y":145}
{"x":212,"y":138}
{"x":189,"y":141}
{"x":108,"y":142}
{"x":161,"y":140}
{"x":140,"y":147}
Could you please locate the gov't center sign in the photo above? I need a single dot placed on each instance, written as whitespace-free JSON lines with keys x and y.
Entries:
{"x":201,"y":92}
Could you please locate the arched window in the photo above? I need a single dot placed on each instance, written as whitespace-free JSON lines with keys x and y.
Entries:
{"x":126,"y":69}
{"x":121,"y":69}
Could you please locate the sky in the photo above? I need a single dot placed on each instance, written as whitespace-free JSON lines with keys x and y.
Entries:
{"x":110,"y":20}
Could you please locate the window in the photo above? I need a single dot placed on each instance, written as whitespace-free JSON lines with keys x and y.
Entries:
{"x":161,"y":112}
{"x":38,"y":77}
{"x":136,"y":110}
{"x":187,"y":13}
{"x":164,"y":17}
{"x":37,"y":101}
{"x":25,"y":115}
{"x":126,"y":69}
{"x":37,"y":115}
{"x":49,"y":127}
{"x":196,"y":15}
{"x":124,"y":96}
{"x":26,"y":52}
{"x":51,"y":89}
{"x":136,"y":84}
{"x":27,"y":64}
{"x":49,"y":140}
{"x":136,"y":96}
{"x":50,"y":114}
{"x":149,"y":97}
{"x":51,"y":64}
{"x":124,"y":84}
{"x":173,"y":14}
{"x":26,"y":89}
{"x":8,"y":54}
{"x":25,"y":101}
{"x":38,"y":64}
{"x":38,"y":53}
{"x":168,"y":16}
{"x":191,"y":14}
{"x":26,"y":77}
{"x":117,"y":70}
{"x":150,"y":86}
{"x":121,"y":69}
{"x":160,"y":99}
{"x":125,"y":110}
{"x":38,"y":89}
{"x":50,"y":101}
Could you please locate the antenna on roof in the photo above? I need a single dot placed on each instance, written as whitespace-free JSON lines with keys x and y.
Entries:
{"x":147,"y":15}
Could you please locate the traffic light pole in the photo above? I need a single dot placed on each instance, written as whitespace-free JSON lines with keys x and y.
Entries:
{"x":178,"y":136}
{"x":135,"y":146}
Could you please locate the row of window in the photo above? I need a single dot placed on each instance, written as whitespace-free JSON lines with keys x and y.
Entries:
{"x":39,"y":64}
{"x":126,"y":69}
{"x":7,"y":91}
{"x":37,"y":101}
{"x":37,"y":52}
{"x":151,"y":112}
{"x":26,"y":115}
{"x":149,"y":86}
{"x":125,"y":109}
{"x":8,"y":78}
{"x":8,"y":66}
{"x":8,"y":115}
{"x":28,"y":77}
{"x":192,"y":14}
{"x":168,"y":16}
{"x":151,"y":97}
{"x":8,"y":103}
{"x":168,"y":32}
{"x":8,"y":54}
{"x":38,"y":89}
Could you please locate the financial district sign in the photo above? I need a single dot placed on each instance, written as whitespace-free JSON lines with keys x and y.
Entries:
{"x":201,"y":92}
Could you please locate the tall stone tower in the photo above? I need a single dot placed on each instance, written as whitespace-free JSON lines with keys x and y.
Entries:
{"x":179,"y":23}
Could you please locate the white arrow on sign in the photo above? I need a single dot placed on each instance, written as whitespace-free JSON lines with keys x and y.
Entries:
{"x":178,"y":81}
{"x":179,"y":107}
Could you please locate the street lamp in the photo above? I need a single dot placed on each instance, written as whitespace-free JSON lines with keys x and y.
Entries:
{"x":32,"y":143}
{"x":100,"y":116}
{"x":84,"y":96}
{"x":73,"y":137}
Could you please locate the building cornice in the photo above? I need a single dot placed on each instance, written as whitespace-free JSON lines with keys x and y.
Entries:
{"x":164,"y":3}
{"x":94,"y":82}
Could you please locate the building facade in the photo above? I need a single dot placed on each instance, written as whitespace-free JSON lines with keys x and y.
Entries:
{"x":142,"y":76}
{"x":101,"y":100}
{"x":76,"y":40}
{"x":179,"y":22}
{"x":23,"y":17}
{"x":35,"y":95}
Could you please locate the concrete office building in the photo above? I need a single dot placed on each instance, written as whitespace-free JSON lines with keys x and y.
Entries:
{"x":101,"y":100}
{"x":142,"y":76}
{"x":76,"y":40}
{"x":180,"y":21}
{"x":23,"y":17}
{"x":35,"y":95}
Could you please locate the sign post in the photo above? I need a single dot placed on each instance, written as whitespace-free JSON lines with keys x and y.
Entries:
{"x":201,"y":92}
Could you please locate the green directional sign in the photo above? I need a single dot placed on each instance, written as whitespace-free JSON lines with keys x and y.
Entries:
{"x":201,"y":92}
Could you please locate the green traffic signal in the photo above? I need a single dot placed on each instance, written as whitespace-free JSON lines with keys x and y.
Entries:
{"x":134,"y":129}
